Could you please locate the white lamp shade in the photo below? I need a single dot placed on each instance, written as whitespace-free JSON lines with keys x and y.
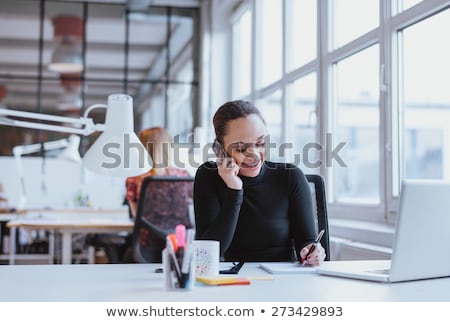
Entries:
{"x":71,"y":153}
{"x":118,"y":151}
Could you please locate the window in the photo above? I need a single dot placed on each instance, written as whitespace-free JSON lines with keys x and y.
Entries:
{"x":305,"y":150}
{"x":270,"y":107}
{"x":302,"y":34}
{"x":375,"y":79}
{"x":406,"y":4}
{"x":270,"y":41}
{"x":242,"y":54}
{"x":353,"y":18}
{"x":426,"y":99}
{"x":358,"y":127}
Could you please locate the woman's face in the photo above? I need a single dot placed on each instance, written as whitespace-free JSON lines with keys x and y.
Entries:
{"x":245,"y":142}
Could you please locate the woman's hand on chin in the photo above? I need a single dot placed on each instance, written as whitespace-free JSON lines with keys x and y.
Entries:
{"x":228,"y":171}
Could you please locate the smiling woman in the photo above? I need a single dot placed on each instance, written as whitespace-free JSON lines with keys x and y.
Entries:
{"x":258,"y":210}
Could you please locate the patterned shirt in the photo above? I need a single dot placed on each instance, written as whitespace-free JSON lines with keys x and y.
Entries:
{"x":133,"y":184}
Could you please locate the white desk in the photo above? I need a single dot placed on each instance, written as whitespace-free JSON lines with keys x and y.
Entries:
{"x":67,"y":225}
{"x":138,"y":282}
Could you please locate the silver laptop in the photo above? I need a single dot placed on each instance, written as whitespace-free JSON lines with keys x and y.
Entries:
{"x":422,"y":237}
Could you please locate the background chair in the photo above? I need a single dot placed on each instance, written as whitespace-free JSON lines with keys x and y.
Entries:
{"x":317,"y":185}
{"x":164,"y":202}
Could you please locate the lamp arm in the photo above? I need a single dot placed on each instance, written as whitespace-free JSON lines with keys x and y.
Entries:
{"x":23,"y":192}
{"x":47,"y":146}
{"x":20,"y":150}
{"x":117,"y":130}
{"x":88,"y":126}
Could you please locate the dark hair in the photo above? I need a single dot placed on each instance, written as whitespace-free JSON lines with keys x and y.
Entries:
{"x":230,"y":111}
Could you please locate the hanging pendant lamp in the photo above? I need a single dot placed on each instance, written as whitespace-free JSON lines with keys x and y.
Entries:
{"x":68,"y":55}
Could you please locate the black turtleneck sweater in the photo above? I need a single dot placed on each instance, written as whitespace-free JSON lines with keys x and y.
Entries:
{"x":264,"y":221}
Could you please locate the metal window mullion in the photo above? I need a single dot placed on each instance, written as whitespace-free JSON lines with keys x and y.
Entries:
{"x":257,"y":58}
{"x":419,"y":12}
{"x":324,"y":106}
{"x":286,"y":110}
{"x":385,"y":108}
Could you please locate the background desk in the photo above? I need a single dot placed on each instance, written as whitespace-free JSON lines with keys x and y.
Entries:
{"x":4,"y":239}
{"x":65,"y":224}
{"x":138,"y":282}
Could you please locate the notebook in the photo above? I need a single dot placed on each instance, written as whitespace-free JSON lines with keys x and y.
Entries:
{"x":422,"y":236}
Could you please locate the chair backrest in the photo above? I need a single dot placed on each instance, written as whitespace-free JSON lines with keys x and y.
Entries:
{"x":320,"y":209}
{"x":163,"y":203}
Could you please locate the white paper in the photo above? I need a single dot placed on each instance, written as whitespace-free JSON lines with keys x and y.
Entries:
{"x":287,"y":268}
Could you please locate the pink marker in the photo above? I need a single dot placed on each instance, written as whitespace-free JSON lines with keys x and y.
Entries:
{"x":180,"y":232}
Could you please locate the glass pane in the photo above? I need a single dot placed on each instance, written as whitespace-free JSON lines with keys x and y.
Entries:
{"x":180,"y":110}
{"x":154,"y":115}
{"x":305,"y":120}
{"x":242,"y":33}
{"x":426,"y":99}
{"x":270,"y":108}
{"x":406,"y":4}
{"x":302,"y":42}
{"x":353,"y":18}
{"x":270,"y":37}
{"x":357,"y":177}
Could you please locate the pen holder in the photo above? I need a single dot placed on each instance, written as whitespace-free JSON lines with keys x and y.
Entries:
{"x":176,"y":276}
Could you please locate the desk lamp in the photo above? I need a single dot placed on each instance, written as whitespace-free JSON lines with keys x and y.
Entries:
{"x":70,"y":153}
{"x":117,"y":152}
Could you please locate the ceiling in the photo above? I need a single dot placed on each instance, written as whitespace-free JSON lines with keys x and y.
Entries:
{"x":111,"y":66}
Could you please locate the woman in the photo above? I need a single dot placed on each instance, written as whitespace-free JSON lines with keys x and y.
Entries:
{"x":158,"y":142}
{"x":258,"y":210}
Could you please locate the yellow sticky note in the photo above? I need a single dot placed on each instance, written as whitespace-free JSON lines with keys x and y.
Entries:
{"x":223,"y":280}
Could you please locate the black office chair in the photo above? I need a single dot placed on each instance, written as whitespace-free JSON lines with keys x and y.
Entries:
{"x":163,"y":203}
{"x":317,"y":185}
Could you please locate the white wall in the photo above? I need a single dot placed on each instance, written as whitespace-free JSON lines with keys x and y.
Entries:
{"x":63,"y":181}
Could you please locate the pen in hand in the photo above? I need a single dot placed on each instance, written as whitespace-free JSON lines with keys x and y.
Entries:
{"x":311,"y":249}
